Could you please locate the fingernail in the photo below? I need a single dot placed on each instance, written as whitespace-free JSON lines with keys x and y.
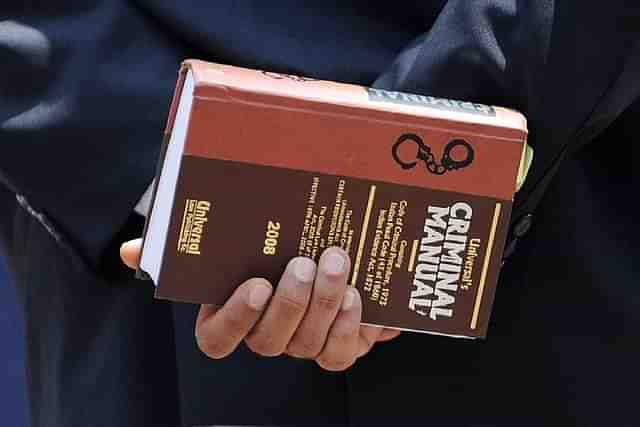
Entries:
{"x":258,"y":296}
{"x":304,"y":269}
{"x":348,"y":299}
{"x":333,"y":263}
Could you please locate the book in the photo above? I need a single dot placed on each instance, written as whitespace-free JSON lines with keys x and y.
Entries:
{"x":259,"y":167}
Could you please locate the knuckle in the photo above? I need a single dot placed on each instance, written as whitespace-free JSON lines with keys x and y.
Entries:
{"x":343,"y":333}
{"x":291,"y":303}
{"x":305,"y":347}
{"x":235,"y":323}
{"x":328,"y":302}
{"x":264,"y":346}
{"x":213,"y":348}
{"x":335,"y":364}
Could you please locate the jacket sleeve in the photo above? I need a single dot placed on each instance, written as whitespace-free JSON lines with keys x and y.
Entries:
{"x":569,"y":66}
{"x":84,"y":90}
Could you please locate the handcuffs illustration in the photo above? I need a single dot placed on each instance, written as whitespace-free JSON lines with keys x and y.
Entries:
{"x":424,"y":154}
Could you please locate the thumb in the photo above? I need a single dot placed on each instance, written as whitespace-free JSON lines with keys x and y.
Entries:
{"x":130,"y":253}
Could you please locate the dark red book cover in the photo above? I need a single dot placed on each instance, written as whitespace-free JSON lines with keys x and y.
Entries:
{"x":417,"y":189}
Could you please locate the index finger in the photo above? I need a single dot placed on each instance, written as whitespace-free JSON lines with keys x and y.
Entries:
{"x":219,"y":331}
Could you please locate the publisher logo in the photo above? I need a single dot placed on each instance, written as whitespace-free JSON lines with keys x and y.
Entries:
{"x":410,"y":149}
{"x":196,"y":215}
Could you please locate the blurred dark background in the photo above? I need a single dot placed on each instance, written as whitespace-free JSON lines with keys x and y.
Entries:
{"x":12,"y":376}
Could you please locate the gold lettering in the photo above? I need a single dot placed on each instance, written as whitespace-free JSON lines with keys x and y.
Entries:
{"x":193,"y":226}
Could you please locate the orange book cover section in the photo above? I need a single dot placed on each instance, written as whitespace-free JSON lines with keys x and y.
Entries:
{"x":418,"y":190}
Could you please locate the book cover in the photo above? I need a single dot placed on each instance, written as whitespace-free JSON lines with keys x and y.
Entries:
{"x":259,"y":167}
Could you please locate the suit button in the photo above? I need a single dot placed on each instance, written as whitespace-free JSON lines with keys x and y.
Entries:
{"x":523,"y":225}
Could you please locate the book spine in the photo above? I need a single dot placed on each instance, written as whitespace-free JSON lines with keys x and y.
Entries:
{"x":141,"y":274}
{"x":374,"y":99}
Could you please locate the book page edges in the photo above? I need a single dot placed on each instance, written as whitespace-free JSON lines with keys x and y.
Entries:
{"x":525,"y":165}
{"x":140,"y":273}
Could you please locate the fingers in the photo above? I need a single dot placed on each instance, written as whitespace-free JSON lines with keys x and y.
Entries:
{"x":326,"y":299}
{"x":218,"y":332}
{"x":130,"y":253}
{"x":312,"y":314}
{"x":286,"y":309}
{"x":340,"y":350}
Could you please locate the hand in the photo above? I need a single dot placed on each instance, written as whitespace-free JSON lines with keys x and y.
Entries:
{"x":312,"y":314}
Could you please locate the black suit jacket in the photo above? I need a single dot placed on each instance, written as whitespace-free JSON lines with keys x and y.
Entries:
{"x":85,"y":89}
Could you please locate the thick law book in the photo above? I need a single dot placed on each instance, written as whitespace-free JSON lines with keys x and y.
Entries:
{"x":259,"y":167}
